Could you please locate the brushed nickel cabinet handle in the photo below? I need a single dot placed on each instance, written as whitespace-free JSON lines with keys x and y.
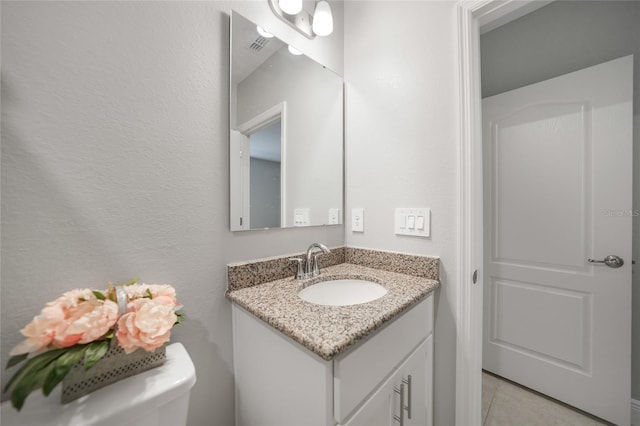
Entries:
{"x":400,"y":418}
{"x":407,"y":381}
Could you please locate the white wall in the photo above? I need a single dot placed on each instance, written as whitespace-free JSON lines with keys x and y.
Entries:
{"x":265,"y":193}
{"x":560,"y":38}
{"x":401,"y":144}
{"x":115,"y":165}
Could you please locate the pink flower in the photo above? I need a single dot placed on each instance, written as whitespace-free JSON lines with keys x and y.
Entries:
{"x":39,"y":332}
{"x":90,"y":321}
{"x":147,"y":325}
{"x":75,"y":317}
{"x":165,"y":291}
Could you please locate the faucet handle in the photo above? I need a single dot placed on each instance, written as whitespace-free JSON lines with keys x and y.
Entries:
{"x":300,"y":273}
{"x":316,"y":265}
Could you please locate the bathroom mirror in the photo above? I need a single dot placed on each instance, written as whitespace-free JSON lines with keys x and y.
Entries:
{"x":286,"y":138}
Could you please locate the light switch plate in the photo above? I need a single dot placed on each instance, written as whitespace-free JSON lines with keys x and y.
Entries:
{"x":357,"y":220}
{"x":407,"y":221}
{"x":334,"y":216}
{"x":301,"y":217}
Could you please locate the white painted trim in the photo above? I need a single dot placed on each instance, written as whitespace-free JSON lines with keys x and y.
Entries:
{"x":511,"y":11}
{"x":468,"y":319}
{"x":263,"y":119}
{"x":471,"y":14}
{"x":283,"y":165}
{"x":635,"y":412}
{"x":245,"y":210}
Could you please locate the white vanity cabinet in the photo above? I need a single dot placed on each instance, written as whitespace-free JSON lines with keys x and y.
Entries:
{"x":280,"y":382}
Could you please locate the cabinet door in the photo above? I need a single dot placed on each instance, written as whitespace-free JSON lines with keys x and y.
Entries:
{"x":378,"y":410}
{"x":417,"y":376}
{"x":359,"y":372}
{"x":381,"y":408}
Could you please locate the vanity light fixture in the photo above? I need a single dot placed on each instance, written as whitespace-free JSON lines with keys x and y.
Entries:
{"x":294,"y":51}
{"x":320,"y":24}
{"x":291,"y":7}
{"x":264,"y":33}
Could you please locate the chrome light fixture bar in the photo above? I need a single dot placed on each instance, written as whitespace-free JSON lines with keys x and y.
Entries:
{"x":302,"y":21}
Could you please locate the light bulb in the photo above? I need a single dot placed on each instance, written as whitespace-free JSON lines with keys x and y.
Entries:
{"x":294,"y":51}
{"x":264,"y":33}
{"x":292,"y":7}
{"x":322,"y":19}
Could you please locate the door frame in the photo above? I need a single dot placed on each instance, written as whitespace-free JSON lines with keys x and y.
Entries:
{"x":472,"y":15}
{"x":278,"y":111}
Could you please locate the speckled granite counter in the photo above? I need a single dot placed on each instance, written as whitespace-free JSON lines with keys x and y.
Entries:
{"x":329,"y":330}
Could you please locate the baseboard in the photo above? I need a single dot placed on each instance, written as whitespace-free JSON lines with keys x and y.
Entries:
{"x":635,"y":412}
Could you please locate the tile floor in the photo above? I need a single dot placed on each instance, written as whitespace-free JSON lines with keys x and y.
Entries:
{"x":507,"y":404}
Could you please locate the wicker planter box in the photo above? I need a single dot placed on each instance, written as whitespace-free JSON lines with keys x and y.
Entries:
{"x":115,"y":366}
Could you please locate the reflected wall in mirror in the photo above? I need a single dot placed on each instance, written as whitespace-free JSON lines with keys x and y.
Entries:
{"x":286,"y":139}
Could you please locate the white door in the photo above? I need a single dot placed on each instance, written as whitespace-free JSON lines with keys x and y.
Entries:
{"x":558,"y":172}
{"x":239,"y":181}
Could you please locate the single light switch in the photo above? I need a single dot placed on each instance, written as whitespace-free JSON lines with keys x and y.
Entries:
{"x":402,"y":221}
{"x":411,"y":221}
{"x":420,"y":223}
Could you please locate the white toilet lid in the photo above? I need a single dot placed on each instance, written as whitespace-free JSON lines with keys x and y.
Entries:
{"x":112,"y":404}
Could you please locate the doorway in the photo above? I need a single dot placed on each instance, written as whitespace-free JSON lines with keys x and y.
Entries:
{"x":557,"y":166}
{"x":265,"y":171}
{"x":258,"y":171}
{"x":471,"y":17}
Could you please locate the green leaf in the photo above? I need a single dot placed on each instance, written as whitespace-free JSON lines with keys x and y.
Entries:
{"x":179,"y":319}
{"x":133,"y":281}
{"x":61,"y":367}
{"x":31,"y":376}
{"x":149,"y":295}
{"x":97,"y":294}
{"x":33,"y":365}
{"x":31,"y":383}
{"x":95,"y":352}
{"x":16,"y":359}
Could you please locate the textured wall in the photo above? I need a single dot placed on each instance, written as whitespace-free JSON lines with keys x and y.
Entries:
{"x":564,"y":37}
{"x":115,"y":164}
{"x":401,"y":144}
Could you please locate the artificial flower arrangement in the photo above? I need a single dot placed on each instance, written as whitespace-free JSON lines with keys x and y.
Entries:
{"x":80,"y":325}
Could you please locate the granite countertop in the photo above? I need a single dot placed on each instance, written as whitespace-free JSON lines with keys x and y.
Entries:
{"x":329,"y":330}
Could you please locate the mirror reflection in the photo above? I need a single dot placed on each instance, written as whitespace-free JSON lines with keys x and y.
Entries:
{"x":286,"y":142}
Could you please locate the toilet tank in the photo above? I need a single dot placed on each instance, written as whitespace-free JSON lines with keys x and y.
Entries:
{"x":156,"y":397}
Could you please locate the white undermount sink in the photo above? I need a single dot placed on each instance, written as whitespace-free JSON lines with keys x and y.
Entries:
{"x":342,"y":292}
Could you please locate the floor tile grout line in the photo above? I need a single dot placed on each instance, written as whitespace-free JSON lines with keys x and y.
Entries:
{"x":489,"y":409}
{"x":493,"y":395}
{"x":597,"y":421}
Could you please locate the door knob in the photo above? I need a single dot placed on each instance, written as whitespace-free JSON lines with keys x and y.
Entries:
{"x":612,"y":261}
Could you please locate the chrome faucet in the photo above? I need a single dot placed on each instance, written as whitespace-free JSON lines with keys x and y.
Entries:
{"x":311,"y":266}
